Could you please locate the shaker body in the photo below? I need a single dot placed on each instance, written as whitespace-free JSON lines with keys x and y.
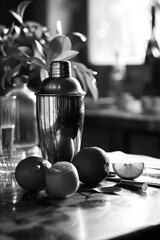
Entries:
{"x":60,"y":122}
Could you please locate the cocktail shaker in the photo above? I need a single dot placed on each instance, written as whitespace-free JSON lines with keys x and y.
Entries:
{"x":60,"y":113}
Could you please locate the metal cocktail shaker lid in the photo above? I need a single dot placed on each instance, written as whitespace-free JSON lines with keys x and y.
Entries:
{"x":60,"y":81}
{"x":60,"y":69}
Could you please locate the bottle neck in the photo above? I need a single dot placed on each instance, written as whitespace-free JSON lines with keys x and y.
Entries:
{"x":60,"y":69}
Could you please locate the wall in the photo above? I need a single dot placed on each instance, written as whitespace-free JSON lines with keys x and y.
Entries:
{"x":73,"y":15}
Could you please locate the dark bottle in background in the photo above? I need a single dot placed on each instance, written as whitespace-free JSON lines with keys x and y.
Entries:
{"x":153,"y":59}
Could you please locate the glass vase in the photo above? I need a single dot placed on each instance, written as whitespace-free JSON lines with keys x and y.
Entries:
{"x":26,"y":133}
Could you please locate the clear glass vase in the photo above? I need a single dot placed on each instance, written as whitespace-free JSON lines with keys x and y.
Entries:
{"x":26,"y":133}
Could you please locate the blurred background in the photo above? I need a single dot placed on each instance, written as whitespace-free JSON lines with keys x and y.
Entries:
{"x":122,"y":46}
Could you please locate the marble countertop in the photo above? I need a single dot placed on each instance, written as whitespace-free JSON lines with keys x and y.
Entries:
{"x":84,"y":216}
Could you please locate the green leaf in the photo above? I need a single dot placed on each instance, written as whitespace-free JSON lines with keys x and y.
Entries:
{"x":3,"y":51}
{"x":80,"y":35}
{"x":56,"y":46}
{"x":22,"y":7}
{"x":17,"y":16}
{"x":11,"y":29}
{"x":66,"y":55}
{"x":91,"y":83}
{"x":25,"y":50}
{"x":36,"y":61}
{"x":13,"y":72}
{"x":79,"y":65}
{"x":80,"y":76}
{"x":9,"y":74}
{"x":2,"y":28}
{"x":86,"y":78}
{"x":4,"y":79}
{"x":17,"y":30}
{"x":38,"y":50}
{"x":43,"y":74}
{"x":17,"y":54}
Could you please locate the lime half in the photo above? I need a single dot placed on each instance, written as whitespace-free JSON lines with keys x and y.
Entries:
{"x":128,"y":170}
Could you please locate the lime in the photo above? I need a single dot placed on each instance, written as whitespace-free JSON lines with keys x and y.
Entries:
{"x":128,"y":170}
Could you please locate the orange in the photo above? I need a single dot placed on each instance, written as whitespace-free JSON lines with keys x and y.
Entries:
{"x":128,"y":170}
{"x":92,"y":164}
{"x":30,"y":173}
{"x":62,"y":179}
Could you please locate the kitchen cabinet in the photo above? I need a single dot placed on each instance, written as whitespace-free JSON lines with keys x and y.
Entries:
{"x":117,"y":130}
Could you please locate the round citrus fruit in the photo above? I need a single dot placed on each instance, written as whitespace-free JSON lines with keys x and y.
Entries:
{"x":62,"y":179}
{"x":92,"y":164}
{"x":128,"y":170}
{"x":30,"y":173}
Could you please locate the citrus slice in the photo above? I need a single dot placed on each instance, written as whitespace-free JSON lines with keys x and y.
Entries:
{"x":128,"y":170}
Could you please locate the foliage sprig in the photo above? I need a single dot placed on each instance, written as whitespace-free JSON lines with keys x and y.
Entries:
{"x":29,"y":45}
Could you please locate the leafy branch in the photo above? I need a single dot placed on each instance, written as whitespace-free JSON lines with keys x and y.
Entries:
{"x":29,"y":45}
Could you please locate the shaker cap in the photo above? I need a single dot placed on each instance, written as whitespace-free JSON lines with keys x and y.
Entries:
{"x":60,"y":81}
{"x":60,"y":69}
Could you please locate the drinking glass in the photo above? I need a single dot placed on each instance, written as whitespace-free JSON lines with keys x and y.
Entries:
{"x":7,"y":122}
{"x":9,"y":160}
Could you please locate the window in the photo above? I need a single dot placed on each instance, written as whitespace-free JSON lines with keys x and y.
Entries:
{"x":118,"y":27}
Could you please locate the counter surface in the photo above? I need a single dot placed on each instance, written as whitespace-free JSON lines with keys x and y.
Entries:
{"x":123,"y":214}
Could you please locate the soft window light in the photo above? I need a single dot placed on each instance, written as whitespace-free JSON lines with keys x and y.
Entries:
{"x":118,"y":26}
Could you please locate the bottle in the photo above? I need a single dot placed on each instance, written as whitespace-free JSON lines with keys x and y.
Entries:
{"x":152,"y":59}
{"x":26,"y":132}
{"x":60,"y":113}
{"x":116,"y":80}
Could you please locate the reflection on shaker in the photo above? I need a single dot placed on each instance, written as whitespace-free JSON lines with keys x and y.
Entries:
{"x":59,"y":146}
{"x":60,"y":134}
